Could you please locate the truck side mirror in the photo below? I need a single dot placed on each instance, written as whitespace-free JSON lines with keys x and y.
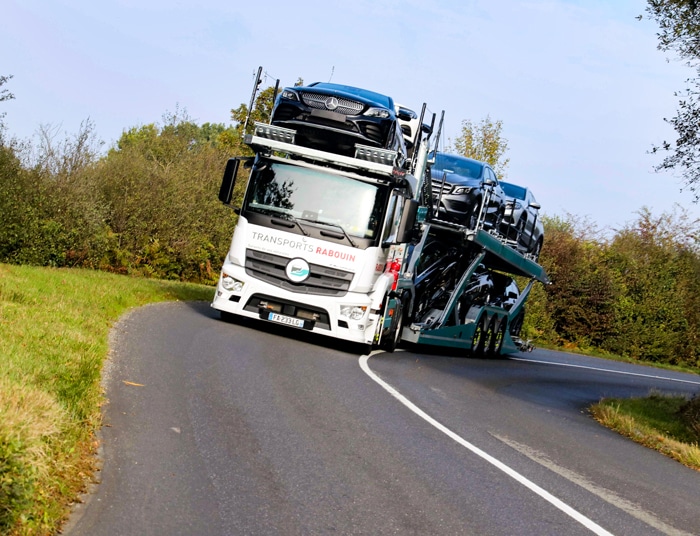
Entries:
{"x":408,"y":220}
{"x":229,"y":180}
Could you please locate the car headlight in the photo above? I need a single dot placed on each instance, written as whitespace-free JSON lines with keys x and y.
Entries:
{"x":353,"y":312}
{"x":518,"y":205}
{"x":231,"y":283}
{"x":462,"y":190}
{"x":383,"y":113}
{"x":290,"y":95}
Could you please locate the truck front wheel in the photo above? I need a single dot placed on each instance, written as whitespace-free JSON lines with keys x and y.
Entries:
{"x":390,"y":340}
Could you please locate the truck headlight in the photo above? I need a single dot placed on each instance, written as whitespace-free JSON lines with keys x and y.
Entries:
{"x":353,"y":312}
{"x":231,"y":283}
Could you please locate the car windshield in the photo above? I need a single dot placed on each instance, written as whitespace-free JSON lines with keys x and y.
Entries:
{"x":308,"y":195}
{"x":458,"y":165}
{"x":512,"y":190}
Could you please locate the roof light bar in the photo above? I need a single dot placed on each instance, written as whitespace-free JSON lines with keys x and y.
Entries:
{"x":373,"y":154}
{"x":271,"y":132}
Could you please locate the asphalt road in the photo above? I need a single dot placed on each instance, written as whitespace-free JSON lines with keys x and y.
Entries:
{"x":215,"y":428}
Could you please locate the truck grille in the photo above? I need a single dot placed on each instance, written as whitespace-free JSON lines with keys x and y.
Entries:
{"x":322,"y":281}
{"x":345,"y":106}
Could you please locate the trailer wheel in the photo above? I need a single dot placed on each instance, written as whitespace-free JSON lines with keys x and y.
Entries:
{"x":479,"y":337}
{"x":497,"y":336}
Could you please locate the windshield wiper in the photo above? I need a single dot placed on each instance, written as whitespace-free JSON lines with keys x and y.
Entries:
{"x":281,"y":218}
{"x":288,"y":221}
{"x":342,"y":234}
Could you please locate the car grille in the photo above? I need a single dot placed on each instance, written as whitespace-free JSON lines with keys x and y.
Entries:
{"x":345,"y":106}
{"x":373,"y":132}
{"x":323,"y":281}
{"x":446,"y":188}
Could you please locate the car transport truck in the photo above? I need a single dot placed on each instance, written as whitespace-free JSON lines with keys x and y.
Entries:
{"x":347,"y":247}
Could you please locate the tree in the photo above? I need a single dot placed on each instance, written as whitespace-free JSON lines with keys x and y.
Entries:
{"x":4,"y":95}
{"x":679,"y":24}
{"x":484,"y":142}
{"x":657,"y":267}
{"x":580,"y":300}
{"x":262,"y":109}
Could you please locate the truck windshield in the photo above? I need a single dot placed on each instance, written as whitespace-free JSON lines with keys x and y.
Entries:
{"x":308,"y":195}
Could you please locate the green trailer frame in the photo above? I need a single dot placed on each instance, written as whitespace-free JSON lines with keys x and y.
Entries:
{"x":485,"y":330}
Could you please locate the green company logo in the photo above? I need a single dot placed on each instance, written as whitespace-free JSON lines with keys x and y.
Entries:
{"x":297,"y":270}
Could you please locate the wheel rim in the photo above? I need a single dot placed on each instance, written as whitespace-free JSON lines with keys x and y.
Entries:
{"x":497,"y":338}
{"x":478,"y":337}
{"x":473,"y":215}
{"x":397,"y":331}
{"x":490,"y":336}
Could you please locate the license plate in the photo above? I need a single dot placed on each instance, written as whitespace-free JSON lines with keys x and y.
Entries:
{"x":327,"y":114}
{"x":286,"y":320}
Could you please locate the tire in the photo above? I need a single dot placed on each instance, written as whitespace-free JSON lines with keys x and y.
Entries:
{"x":499,"y":219}
{"x":520,"y":229}
{"x":537,"y":249}
{"x":489,"y":335}
{"x":479,"y":337}
{"x":497,"y":336}
{"x":225,"y":316}
{"x":391,"y":341}
{"x":364,"y":348}
{"x":472,"y":218}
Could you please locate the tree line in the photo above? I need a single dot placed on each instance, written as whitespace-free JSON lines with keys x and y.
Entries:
{"x":148,"y":207}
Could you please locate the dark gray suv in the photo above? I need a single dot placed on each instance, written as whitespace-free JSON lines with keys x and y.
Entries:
{"x":460,"y":185}
{"x":522,"y":222}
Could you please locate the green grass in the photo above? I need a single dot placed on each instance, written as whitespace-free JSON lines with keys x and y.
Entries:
{"x":669,"y":424}
{"x":54,"y":326}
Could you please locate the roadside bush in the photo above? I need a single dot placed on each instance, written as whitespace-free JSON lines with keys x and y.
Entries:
{"x":690,"y":413}
{"x":657,"y":268}
{"x":148,"y":207}
{"x":580,"y":299}
{"x":159,"y":187}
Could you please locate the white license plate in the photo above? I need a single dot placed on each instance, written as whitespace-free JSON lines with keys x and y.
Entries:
{"x":287,"y":320}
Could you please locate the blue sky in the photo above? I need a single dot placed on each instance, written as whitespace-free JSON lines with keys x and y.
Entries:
{"x":580,"y":86}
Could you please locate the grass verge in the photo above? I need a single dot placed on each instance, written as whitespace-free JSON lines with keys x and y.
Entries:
{"x":668,"y":424}
{"x":54,"y":327}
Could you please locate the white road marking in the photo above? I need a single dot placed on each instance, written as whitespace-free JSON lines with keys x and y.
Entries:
{"x":652,"y":376}
{"x":609,"y":496}
{"x":568,"y":510}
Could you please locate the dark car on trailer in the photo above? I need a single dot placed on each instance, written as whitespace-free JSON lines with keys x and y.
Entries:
{"x":522,"y":223}
{"x":336,"y":117}
{"x":460,"y":185}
